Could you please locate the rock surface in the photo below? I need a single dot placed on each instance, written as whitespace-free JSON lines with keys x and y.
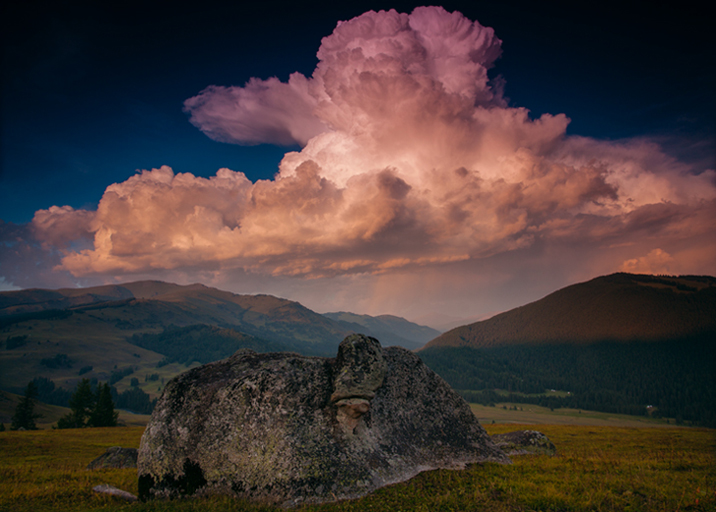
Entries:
{"x":115,"y":457}
{"x":288,"y":429}
{"x":113,"y":491}
{"x":524,"y":442}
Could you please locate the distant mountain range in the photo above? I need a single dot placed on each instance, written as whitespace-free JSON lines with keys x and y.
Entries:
{"x":617,"y":307}
{"x":57,"y":333}
{"x":389,"y":329}
{"x":153,"y":305}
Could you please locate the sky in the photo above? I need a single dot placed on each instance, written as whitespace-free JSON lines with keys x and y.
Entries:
{"x":457,"y":160}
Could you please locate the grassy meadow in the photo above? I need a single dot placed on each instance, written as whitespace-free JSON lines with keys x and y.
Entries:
{"x":537,"y":415}
{"x":597,"y":468}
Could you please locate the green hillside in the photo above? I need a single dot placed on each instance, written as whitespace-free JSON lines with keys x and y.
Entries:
{"x":633,"y":344}
{"x":673,"y":379}
{"x":155,"y":305}
{"x":137,"y":328}
{"x":201,"y":343}
{"x":618,"y":307}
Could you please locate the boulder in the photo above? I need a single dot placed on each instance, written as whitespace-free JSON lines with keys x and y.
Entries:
{"x":289,"y":429}
{"x":524,"y":442}
{"x":113,"y":491}
{"x":115,"y":457}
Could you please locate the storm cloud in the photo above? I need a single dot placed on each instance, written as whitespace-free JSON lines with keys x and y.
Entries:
{"x":410,"y":158}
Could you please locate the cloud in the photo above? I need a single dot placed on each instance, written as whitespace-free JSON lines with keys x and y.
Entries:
{"x":61,"y":226}
{"x":410,"y":160}
{"x":263,"y":111}
{"x":656,"y":262}
{"x":7,"y":287}
{"x":27,"y":262}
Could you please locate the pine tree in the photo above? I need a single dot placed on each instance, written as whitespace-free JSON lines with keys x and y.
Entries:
{"x":81,"y":405}
{"x":103,"y":414}
{"x":25,"y":411}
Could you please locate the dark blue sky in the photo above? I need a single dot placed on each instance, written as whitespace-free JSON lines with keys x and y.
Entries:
{"x":91,"y":92}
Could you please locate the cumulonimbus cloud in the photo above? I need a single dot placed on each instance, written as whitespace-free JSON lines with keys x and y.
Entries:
{"x":409,"y":157}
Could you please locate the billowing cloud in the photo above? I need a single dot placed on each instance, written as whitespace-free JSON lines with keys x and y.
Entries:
{"x":656,"y":262}
{"x":410,"y":158}
{"x":263,"y":111}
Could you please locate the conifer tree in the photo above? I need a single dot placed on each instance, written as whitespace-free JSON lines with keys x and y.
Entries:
{"x":103,"y":414}
{"x":81,"y":405}
{"x":25,"y":411}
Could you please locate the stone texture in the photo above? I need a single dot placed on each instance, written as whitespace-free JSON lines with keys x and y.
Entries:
{"x":115,"y":457}
{"x":524,"y":442}
{"x":289,"y":429}
{"x":113,"y":491}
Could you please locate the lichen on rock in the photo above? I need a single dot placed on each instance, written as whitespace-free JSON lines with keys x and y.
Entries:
{"x":291,"y":429}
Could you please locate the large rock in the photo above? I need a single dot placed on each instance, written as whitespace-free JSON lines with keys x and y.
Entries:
{"x":289,"y":429}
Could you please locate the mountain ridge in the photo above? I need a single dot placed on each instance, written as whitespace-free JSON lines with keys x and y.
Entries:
{"x":134,"y":325}
{"x":386,"y":328}
{"x":617,"y":307}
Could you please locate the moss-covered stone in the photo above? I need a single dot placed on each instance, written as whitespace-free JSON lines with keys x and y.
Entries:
{"x":524,"y":442}
{"x":290,"y":429}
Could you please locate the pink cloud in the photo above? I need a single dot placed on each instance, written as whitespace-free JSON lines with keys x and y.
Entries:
{"x":263,"y":111}
{"x":410,"y":160}
{"x":656,"y":262}
{"x":58,"y":226}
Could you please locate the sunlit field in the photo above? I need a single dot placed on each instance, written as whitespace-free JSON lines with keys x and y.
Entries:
{"x":597,"y":469}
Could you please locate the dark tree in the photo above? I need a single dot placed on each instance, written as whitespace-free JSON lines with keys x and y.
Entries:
{"x":81,"y":405}
{"x":25,"y":411}
{"x":103,"y":414}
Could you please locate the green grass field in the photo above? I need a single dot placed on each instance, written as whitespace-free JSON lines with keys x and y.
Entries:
{"x":596,"y":469}
{"x":537,"y":415}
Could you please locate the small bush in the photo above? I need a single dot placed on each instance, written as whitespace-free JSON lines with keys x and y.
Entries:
{"x":15,"y":341}
{"x":59,"y":361}
{"x":85,"y":369}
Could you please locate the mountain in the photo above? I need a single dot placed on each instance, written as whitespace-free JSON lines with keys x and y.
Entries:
{"x":617,"y":307}
{"x":34,"y":300}
{"x":136,"y":330}
{"x":152,"y":305}
{"x":389,"y":329}
{"x":621,"y":343}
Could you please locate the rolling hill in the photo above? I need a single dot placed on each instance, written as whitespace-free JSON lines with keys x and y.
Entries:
{"x":617,"y":307}
{"x":621,"y":343}
{"x":116,"y":333}
{"x":140,"y":329}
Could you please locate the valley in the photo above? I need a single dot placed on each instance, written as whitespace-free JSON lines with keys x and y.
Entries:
{"x":620,"y":344}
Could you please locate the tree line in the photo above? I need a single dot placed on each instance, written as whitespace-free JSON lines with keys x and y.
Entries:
{"x":88,"y":408}
{"x":676,"y":378}
{"x":133,"y":399}
{"x":92,"y":404}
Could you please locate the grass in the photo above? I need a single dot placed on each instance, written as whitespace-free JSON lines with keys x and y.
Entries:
{"x":538,"y":415}
{"x":596,"y":469}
